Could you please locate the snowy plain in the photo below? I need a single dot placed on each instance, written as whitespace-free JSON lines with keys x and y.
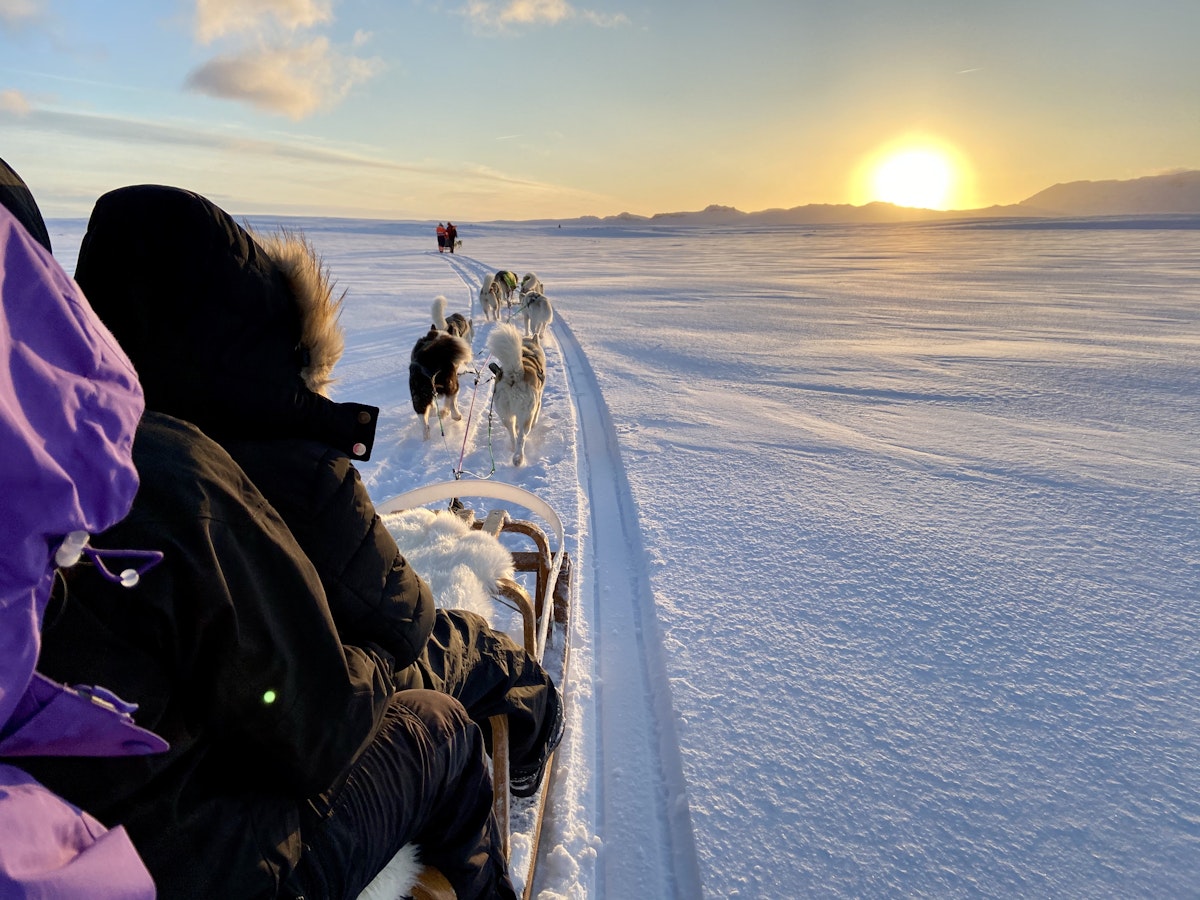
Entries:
{"x":886,"y":543}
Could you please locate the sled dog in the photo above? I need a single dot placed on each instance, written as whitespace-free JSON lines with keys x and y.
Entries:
{"x":456,"y":323}
{"x":508,"y":283}
{"x":520,"y":377}
{"x":489,"y":298}
{"x":433,"y":372}
{"x":538,"y":314}
{"x":531,"y":283}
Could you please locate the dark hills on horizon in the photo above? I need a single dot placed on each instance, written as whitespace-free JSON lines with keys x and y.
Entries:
{"x":1175,"y":193}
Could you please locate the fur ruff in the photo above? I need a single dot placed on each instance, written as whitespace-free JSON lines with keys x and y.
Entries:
{"x":461,"y":565}
{"x":320,"y":331}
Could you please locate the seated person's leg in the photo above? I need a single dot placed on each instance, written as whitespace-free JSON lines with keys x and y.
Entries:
{"x":490,"y":675}
{"x":423,"y":779}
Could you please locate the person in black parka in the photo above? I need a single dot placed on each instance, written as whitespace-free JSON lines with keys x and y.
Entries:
{"x":238,"y":333}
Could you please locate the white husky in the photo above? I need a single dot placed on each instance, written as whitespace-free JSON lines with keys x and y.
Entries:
{"x":538,"y":314}
{"x":520,"y":377}
{"x":531,"y":283}
{"x":489,"y":298}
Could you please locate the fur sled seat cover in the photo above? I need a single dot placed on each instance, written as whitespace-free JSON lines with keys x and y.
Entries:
{"x":234,"y":332}
{"x":461,"y":565}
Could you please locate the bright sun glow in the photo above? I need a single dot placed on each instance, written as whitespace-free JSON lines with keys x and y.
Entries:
{"x":915,"y":178}
{"x":920,"y":172}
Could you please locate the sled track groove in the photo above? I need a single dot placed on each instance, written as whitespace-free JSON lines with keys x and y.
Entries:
{"x":642,"y":811}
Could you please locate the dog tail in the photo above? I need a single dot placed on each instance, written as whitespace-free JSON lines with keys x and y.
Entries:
{"x":439,"y":312}
{"x":459,"y":350}
{"x":504,"y":343}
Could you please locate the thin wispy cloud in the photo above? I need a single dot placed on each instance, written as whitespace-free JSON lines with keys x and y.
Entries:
{"x":501,"y":16}
{"x":127,"y":131}
{"x":274,"y":62}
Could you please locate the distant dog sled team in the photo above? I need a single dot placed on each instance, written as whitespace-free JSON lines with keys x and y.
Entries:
{"x":447,"y":237}
{"x":444,"y":354}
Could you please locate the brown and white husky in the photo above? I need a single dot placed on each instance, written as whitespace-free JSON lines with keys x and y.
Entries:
{"x":517,"y":396}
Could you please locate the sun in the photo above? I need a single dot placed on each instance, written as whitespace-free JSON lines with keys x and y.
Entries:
{"x":914,"y":178}
{"x":917,"y":172}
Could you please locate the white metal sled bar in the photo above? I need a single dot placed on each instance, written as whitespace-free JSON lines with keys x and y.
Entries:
{"x":496,"y":490}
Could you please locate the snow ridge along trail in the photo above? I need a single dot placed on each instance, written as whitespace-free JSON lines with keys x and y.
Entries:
{"x":643,"y":814}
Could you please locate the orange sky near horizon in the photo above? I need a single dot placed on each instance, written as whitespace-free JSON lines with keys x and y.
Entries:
{"x":512,"y":110}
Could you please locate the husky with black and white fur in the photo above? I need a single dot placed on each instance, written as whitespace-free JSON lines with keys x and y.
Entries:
{"x":433,"y":372}
{"x":520,"y":371}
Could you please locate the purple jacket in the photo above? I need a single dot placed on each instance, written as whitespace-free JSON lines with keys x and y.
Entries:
{"x":69,"y":404}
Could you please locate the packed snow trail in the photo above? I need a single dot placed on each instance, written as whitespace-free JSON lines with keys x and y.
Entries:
{"x":630,"y":788}
{"x":649,"y":846}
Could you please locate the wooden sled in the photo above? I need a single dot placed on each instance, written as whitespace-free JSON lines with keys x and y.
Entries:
{"x":541,"y":596}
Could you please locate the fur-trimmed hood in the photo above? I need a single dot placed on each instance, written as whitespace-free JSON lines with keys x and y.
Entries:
{"x":233,"y":331}
{"x":320,"y":331}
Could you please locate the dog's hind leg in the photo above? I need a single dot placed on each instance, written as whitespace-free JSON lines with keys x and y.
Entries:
{"x":522,"y":433}
{"x":510,"y":425}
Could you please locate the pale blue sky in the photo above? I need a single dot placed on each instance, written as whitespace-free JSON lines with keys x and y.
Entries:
{"x":477,"y":110}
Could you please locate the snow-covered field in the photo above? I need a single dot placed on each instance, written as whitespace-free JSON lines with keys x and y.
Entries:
{"x":886,"y":543}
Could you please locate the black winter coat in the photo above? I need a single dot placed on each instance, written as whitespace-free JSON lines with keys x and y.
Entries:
{"x":229,"y":649}
{"x":373,"y":592}
{"x":238,"y":334}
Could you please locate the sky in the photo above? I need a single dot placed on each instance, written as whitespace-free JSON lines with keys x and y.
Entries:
{"x":884,"y":562}
{"x":479,"y":110}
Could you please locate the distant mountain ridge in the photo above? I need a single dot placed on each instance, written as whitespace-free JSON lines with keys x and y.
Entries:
{"x":1174,"y":193}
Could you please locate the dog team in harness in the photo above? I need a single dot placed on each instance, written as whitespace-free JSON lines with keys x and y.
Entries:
{"x":266,"y":701}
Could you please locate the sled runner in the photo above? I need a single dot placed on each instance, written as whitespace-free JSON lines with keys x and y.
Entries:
{"x":539,"y":601}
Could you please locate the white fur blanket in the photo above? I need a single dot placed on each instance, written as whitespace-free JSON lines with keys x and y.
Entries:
{"x":462,"y":565}
{"x":396,"y":880}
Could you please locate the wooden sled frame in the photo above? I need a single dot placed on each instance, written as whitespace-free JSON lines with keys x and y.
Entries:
{"x":550,"y":604}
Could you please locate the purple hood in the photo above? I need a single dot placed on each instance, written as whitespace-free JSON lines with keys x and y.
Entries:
{"x":69,"y":404}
